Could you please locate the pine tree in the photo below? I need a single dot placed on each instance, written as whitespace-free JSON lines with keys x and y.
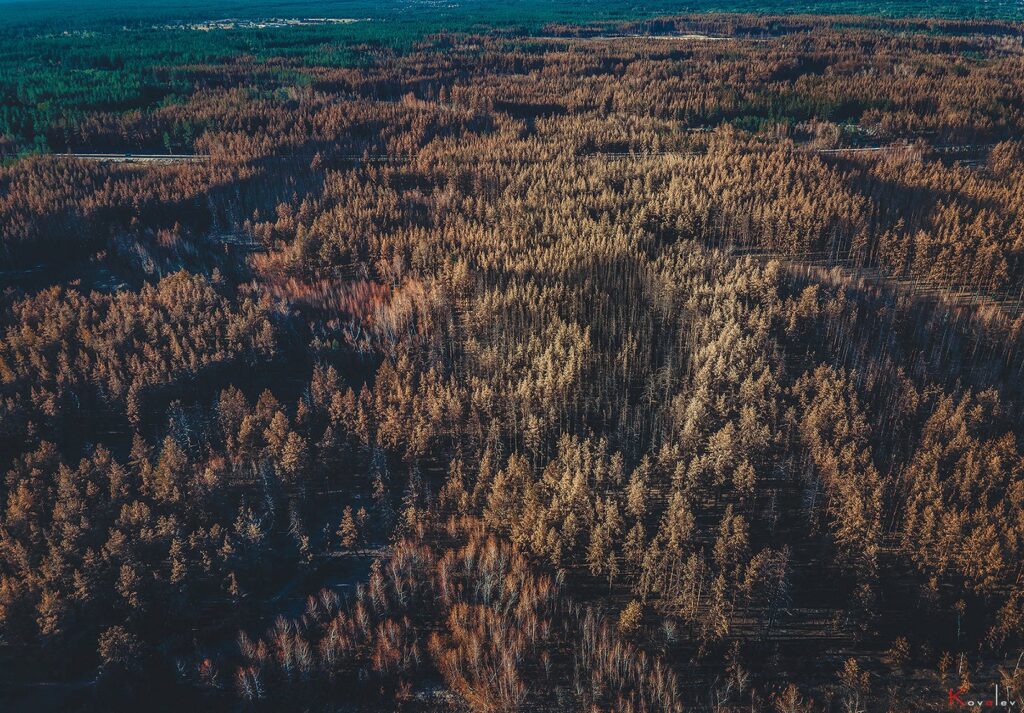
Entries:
{"x":179,"y":567}
{"x":635,"y":547}
{"x":294,"y":456}
{"x":630,"y":618}
{"x":636,"y":492}
{"x":276,"y":435}
{"x":119,"y":647}
{"x":348,"y":531}
{"x":170,"y":472}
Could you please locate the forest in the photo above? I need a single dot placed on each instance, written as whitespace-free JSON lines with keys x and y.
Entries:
{"x":656,"y":364}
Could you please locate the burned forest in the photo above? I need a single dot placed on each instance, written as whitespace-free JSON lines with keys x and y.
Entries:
{"x":637,"y":366}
